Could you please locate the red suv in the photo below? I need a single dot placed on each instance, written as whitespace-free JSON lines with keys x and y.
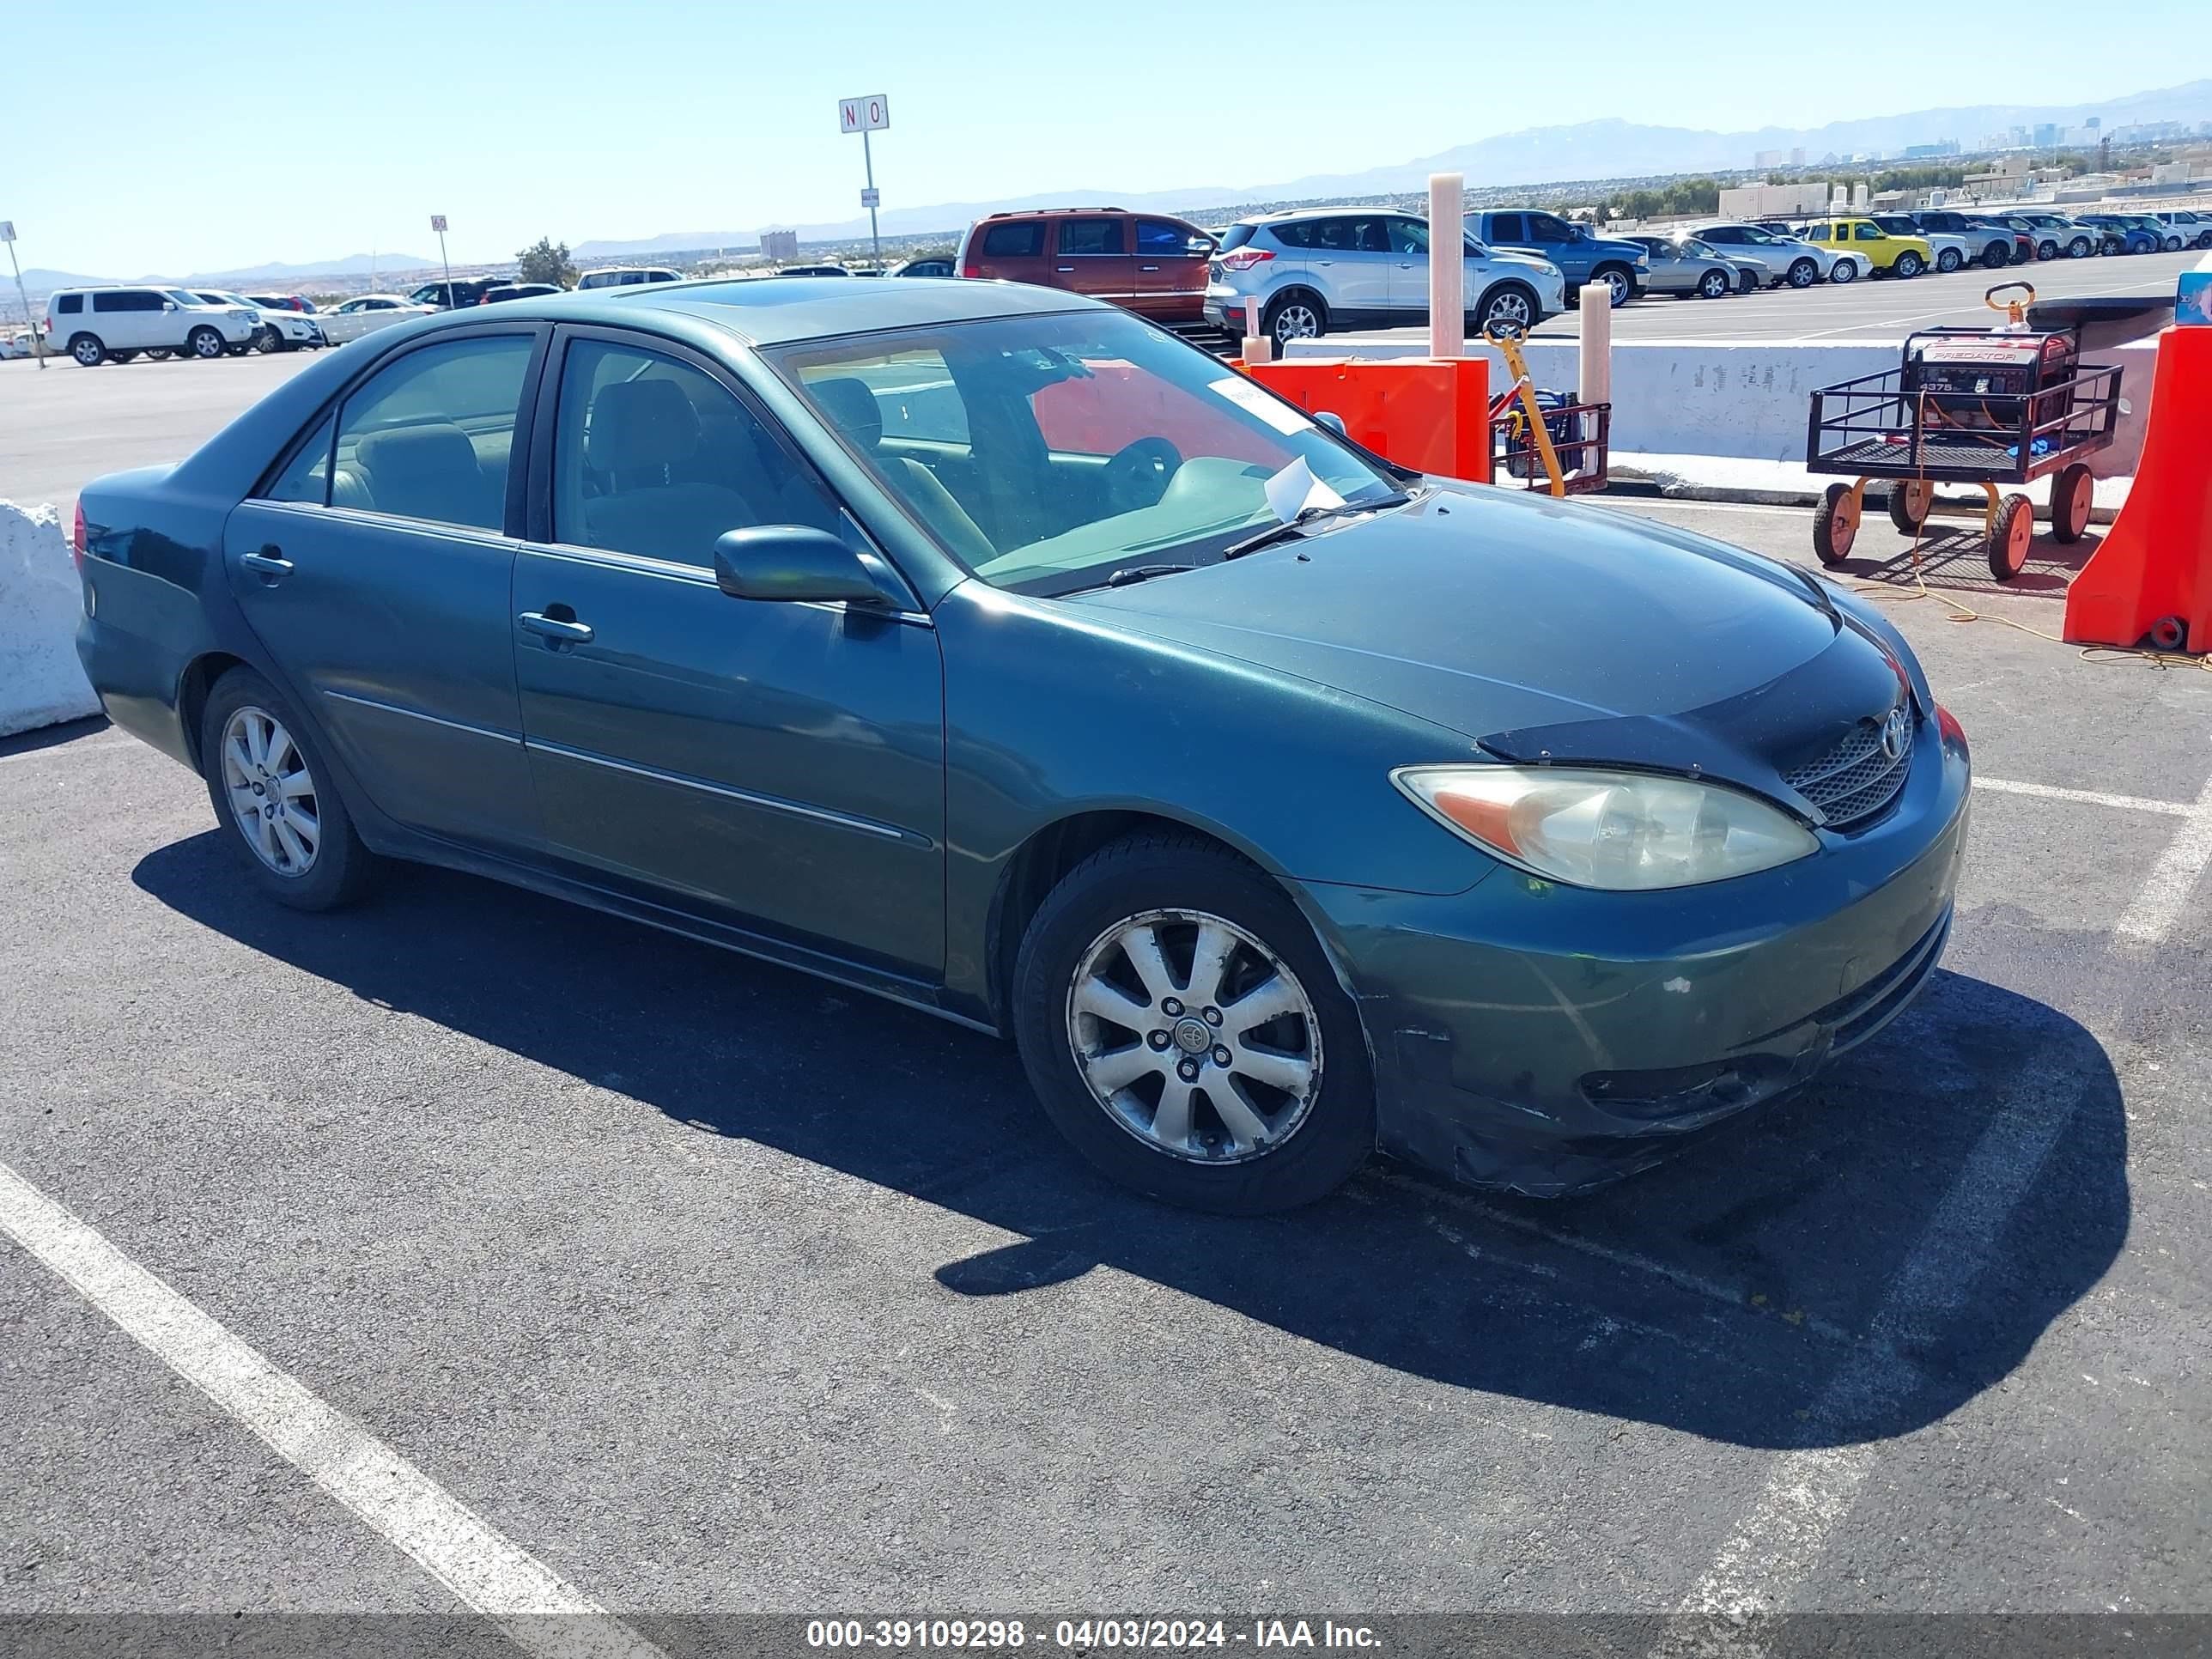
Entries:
{"x":1148,"y":262}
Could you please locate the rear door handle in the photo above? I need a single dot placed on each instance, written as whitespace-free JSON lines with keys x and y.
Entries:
{"x":1067,"y":268}
{"x":1148,"y":267}
{"x":554,"y":630}
{"x":270,"y":563}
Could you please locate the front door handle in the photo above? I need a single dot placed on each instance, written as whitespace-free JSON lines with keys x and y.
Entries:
{"x":270,"y":563}
{"x":1064,"y":269}
{"x":1148,"y":267}
{"x":554,"y":630}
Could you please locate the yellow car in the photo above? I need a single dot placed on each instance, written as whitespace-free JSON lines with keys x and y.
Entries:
{"x":1901,"y":256}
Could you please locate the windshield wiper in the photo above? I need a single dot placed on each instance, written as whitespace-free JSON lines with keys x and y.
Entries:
{"x":1131,"y":575}
{"x":1306,"y":515}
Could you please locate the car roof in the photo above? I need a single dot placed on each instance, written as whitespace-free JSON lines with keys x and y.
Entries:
{"x":778,"y":310}
{"x":1287,"y":214}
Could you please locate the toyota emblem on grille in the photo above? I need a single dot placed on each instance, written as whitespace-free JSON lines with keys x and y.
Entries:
{"x":1897,"y":733}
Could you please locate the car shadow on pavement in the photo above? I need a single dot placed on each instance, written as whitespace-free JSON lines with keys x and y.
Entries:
{"x":1854,"y":1262}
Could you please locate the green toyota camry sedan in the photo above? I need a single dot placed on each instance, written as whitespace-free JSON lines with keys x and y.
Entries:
{"x":987,"y":648}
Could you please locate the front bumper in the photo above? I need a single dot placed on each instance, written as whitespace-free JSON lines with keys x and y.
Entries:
{"x":1548,"y":1039}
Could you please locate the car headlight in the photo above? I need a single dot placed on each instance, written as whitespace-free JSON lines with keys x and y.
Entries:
{"x":1616,"y":831}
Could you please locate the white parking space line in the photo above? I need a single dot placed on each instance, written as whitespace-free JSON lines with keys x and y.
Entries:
{"x":2165,"y":894}
{"x":539,"y":1611}
{"x":2180,"y":809}
{"x":1947,"y":311}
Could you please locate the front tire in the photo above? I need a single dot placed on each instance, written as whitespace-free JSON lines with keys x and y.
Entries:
{"x":205,"y":343}
{"x":1909,"y":264}
{"x":2009,"y":536}
{"x":1846,"y":271}
{"x":1185,"y":1031}
{"x":2072,"y":494}
{"x":2078,"y":248}
{"x":1836,"y":524}
{"x":1509,"y":305}
{"x":1620,"y":285}
{"x":1949,"y":260}
{"x":1803,"y":273}
{"x":272,"y":791}
{"x":1996,"y":257}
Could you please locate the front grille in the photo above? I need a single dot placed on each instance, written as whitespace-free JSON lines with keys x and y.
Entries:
{"x":1854,"y":781}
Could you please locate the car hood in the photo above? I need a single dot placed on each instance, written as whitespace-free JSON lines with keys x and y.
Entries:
{"x":1546,"y":631}
{"x":1533,"y":261}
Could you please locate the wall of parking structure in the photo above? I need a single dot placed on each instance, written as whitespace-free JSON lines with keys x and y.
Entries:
{"x":1743,"y":400}
{"x":40,"y":680}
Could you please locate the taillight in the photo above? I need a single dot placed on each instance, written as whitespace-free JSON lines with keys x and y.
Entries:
{"x":77,"y":537}
{"x":972,"y":271}
{"x":1245,"y":258}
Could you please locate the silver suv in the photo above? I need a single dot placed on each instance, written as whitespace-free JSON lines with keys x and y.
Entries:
{"x":1321,"y":270}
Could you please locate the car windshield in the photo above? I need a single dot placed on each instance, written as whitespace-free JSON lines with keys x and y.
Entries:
{"x":1046,"y":453}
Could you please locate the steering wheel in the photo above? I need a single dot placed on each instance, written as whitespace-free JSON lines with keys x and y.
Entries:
{"x":1137,"y":474}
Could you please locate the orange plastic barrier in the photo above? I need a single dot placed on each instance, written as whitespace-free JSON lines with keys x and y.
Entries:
{"x":1432,"y":413}
{"x":2152,"y":575}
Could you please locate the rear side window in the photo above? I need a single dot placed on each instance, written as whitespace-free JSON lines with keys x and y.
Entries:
{"x":1237,"y":236}
{"x":136,"y":299}
{"x":1506,"y":228}
{"x":429,"y":436}
{"x":1091,"y":236}
{"x":1022,"y":241}
{"x":1162,"y":238}
{"x":308,"y":477}
{"x":1297,"y":232}
{"x":69,"y":305}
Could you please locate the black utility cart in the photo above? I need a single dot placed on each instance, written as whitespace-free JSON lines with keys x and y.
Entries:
{"x":1996,"y":406}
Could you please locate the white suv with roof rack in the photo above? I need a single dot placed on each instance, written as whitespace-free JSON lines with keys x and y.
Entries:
{"x":97,"y":325}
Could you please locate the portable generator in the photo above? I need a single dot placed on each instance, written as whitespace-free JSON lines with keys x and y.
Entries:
{"x":1961,"y":369}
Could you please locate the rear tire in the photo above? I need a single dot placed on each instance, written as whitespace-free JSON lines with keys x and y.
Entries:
{"x":1836,"y":526}
{"x":241,"y":781}
{"x":2072,"y":494}
{"x":1295,"y":316}
{"x":2078,"y":248}
{"x":1273,"y":1148}
{"x":2009,"y":536}
{"x":88,"y":350}
{"x":1714,"y":285}
{"x":121,"y":357}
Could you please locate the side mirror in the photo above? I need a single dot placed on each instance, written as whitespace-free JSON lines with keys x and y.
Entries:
{"x":168,"y":305}
{"x":792,"y":562}
{"x":1331,"y":420}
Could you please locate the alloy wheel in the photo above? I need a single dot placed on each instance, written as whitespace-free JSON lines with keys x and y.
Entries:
{"x":1509,"y":308}
{"x":88,"y":352}
{"x":1297,"y":321}
{"x":1194,"y":1037}
{"x":270,"y":791}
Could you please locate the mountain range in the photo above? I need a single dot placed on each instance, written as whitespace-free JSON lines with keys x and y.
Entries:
{"x":1605,"y":149}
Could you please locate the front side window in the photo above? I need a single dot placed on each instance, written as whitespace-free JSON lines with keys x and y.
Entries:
{"x":1543,"y":228}
{"x":1869,"y":232}
{"x":1408,"y":236}
{"x":1021,"y":241}
{"x":1093,"y":442}
{"x":651,"y":456}
{"x":1090,"y":236}
{"x":430,"y":435}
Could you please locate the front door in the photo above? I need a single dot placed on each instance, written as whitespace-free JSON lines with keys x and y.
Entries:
{"x":1092,"y":256}
{"x":1351,"y":256}
{"x":778,"y":767}
{"x":375,"y":568}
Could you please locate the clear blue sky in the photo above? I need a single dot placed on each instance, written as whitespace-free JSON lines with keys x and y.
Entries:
{"x":160,"y":136}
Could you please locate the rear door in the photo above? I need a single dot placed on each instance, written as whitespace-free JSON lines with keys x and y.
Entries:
{"x":132,"y":318}
{"x":1013,"y":250}
{"x":1171,"y":269}
{"x":1350,"y":256}
{"x":376,"y":567}
{"x":775,"y":766}
{"x":1092,"y":255}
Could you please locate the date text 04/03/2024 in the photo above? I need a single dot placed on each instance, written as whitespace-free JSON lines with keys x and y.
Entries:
{"x":1086,"y":1635}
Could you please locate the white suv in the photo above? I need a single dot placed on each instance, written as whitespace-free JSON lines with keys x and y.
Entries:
{"x":96,"y":323}
{"x":628,"y":275}
{"x":1318,"y":271}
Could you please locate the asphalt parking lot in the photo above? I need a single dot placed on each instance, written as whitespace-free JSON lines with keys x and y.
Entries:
{"x":701,"y":1287}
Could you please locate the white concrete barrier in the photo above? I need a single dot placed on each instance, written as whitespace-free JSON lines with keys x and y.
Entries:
{"x":1742,"y":399}
{"x":41,"y":679}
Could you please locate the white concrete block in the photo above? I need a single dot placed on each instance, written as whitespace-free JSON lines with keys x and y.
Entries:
{"x":40,"y":600}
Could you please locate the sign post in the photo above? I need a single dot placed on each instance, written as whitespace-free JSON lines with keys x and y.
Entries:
{"x":37,"y":340}
{"x":865,"y":116}
{"x":438,"y":224}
